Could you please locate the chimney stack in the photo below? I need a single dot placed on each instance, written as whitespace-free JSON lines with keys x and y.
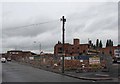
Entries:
{"x":76,"y":41}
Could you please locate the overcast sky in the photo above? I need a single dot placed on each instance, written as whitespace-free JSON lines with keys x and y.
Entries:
{"x":93,"y":20}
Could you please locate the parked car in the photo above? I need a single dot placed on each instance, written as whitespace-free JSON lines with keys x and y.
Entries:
{"x":3,"y":60}
{"x":8,"y":59}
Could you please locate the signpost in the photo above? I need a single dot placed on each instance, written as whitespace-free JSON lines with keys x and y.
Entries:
{"x":31,"y":58}
{"x":94,"y":60}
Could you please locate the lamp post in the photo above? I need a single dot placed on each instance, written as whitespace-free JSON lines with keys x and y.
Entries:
{"x":39,"y":51}
{"x":39,"y":47}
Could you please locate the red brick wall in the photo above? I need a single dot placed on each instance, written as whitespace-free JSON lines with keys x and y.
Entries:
{"x":16,"y":55}
{"x":108,"y":49}
{"x":74,"y":64}
{"x":76,"y":41}
{"x":71,"y":50}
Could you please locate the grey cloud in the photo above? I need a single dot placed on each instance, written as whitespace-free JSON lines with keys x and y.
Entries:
{"x":31,"y":30}
{"x":47,"y":40}
{"x":84,"y":20}
{"x":119,"y":23}
{"x":99,"y":18}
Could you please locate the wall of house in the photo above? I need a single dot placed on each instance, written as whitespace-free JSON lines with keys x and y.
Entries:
{"x":109,"y":50}
{"x":74,"y":49}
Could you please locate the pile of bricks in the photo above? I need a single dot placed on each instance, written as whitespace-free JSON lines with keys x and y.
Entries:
{"x":103,"y":63}
{"x":75,"y":64}
{"x":72,"y":64}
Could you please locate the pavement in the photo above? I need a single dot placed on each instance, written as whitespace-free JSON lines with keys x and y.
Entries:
{"x":94,"y":76}
{"x":14,"y":72}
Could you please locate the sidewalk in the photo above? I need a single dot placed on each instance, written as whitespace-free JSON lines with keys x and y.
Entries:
{"x":94,"y":76}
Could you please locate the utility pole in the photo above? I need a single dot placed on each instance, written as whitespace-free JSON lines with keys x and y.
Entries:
{"x":63,"y":40}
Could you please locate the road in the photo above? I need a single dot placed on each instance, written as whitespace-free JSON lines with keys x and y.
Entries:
{"x":14,"y":72}
{"x":0,"y":72}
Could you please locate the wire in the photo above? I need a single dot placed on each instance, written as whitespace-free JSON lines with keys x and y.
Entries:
{"x":32,"y":25}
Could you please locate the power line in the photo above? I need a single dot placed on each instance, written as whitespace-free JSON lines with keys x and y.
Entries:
{"x":20,"y":27}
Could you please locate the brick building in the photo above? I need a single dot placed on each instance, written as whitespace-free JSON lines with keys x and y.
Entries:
{"x":14,"y":54}
{"x":18,"y":54}
{"x":110,"y":50}
{"x":3,"y":55}
{"x":74,"y":49}
{"x":77,"y":49}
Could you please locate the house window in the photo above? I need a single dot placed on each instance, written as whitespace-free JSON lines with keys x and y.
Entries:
{"x":83,"y":51}
{"x":110,"y":52}
{"x":60,"y":50}
{"x":66,"y":51}
{"x":80,"y":53}
{"x":88,"y":46}
{"x":102,"y":52}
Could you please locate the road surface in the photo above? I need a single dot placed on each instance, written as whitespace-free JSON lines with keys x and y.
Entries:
{"x":14,"y":72}
{"x":0,"y":72}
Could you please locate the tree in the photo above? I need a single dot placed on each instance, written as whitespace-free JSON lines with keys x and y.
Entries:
{"x":94,"y":46}
{"x":107,"y":43}
{"x":111,"y":43}
{"x":100,"y":44}
{"x":97,"y":43}
{"x":59,"y":42}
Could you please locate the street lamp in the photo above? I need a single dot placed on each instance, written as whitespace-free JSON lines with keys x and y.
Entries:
{"x":39,"y":47}
{"x":39,"y":51}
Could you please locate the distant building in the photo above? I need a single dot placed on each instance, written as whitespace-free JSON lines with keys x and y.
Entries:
{"x":77,"y":49}
{"x":117,"y":52}
{"x":14,"y":54}
{"x":18,"y":54}
{"x":74,"y":49}
{"x":77,"y":54}
{"x":3,"y":55}
{"x":111,"y":50}
{"x":117,"y":55}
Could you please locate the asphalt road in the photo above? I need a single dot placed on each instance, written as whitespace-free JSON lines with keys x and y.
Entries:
{"x":14,"y":72}
{"x":0,"y":72}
